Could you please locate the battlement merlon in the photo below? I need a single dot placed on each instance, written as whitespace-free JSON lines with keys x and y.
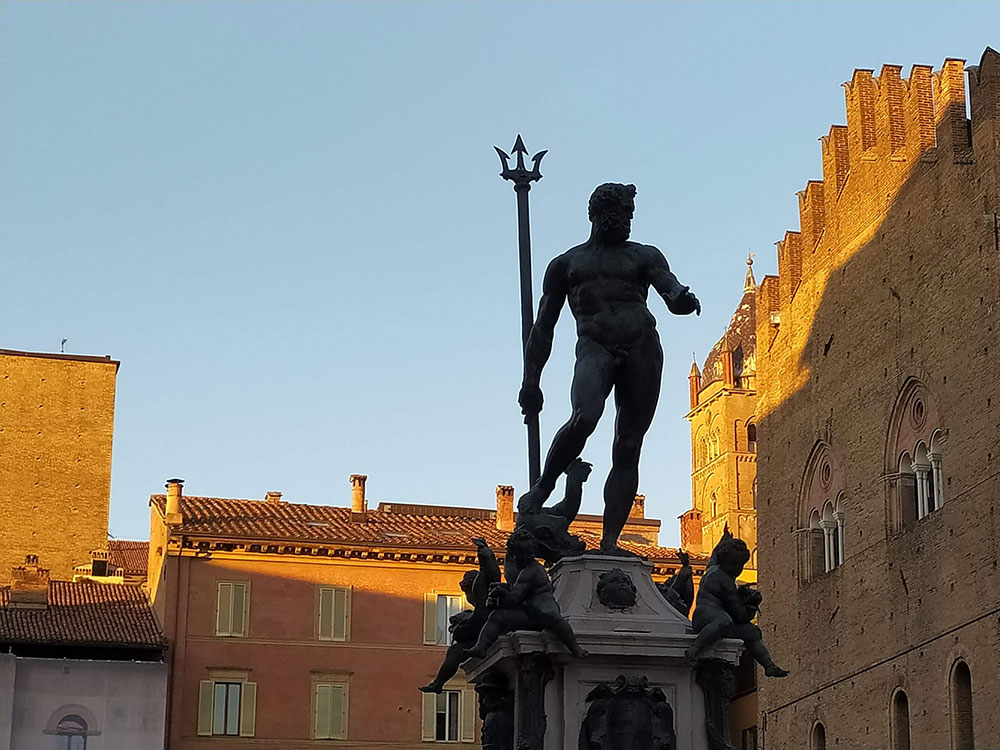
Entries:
{"x":894,"y":125}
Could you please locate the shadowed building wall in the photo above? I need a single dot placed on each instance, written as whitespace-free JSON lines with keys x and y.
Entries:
{"x":877,"y":399}
{"x":56,"y":425}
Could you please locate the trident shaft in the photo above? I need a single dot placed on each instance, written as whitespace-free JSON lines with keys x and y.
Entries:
{"x":522,"y":179}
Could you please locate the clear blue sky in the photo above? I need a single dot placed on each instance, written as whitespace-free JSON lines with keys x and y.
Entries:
{"x":285,"y":219}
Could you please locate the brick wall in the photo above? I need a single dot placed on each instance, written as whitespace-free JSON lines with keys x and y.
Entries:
{"x":56,"y":425}
{"x":900,"y":282}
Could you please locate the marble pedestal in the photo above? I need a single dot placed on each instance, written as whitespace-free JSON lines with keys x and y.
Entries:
{"x":645,"y":639}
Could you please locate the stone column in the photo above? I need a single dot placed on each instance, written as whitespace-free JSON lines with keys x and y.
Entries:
{"x":829,"y":528}
{"x":921,"y":471}
{"x":938,"y":483}
{"x":838,"y":516}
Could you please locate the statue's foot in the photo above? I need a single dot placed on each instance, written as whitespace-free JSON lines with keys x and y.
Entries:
{"x":613,"y":550}
{"x":432,"y":687}
{"x":773,"y":670}
{"x":532,"y":500}
{"x":580,"y":652}
{"x":474,"y":653}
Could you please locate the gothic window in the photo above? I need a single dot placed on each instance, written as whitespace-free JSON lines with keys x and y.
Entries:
{"x":818,"y":740}
{"x":914,"y":450}
{"x":752,"y":438}
{"x":899,"y":738}
{"x":715,"y":505}
{"x":823,"y":512}
{"x":962,"y":737}
{"x":72,"y":733}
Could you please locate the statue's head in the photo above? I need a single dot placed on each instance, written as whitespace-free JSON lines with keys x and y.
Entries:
{"x":468,"y":581}
{"x":521,"y":546}
{"x":611,"y":208}
{"x":732,"y":554}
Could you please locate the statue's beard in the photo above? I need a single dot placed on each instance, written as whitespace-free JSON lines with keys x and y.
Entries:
{"x":614,"y":231}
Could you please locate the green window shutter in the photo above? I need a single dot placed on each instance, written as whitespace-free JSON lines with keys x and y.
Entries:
{"x":340,"y":614}
{"x":224,"y":612}
{"x":430,"y":619}
{"x":324,"y":705}
{"x":468,"y":720}
{"x":248,"y":709}
{"x":239,"y":609}
{"x":338,"y":712}
{"x":325,"y":614}
{"x":206,"y":692}
{"x":428,"y":712}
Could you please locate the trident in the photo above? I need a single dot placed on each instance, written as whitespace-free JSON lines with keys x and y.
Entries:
{"x":522,"y":180}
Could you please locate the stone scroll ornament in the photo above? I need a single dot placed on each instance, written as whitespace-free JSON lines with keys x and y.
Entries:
{"x":628,"y":715}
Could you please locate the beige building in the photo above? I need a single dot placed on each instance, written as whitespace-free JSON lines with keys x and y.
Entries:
{"x":56,"y":425}
{"x":878,"y":406}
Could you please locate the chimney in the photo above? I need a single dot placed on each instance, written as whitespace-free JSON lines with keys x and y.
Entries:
{"x":359,"y":505}
{"x":638,"y":507}
{"x":29,"y":585}
{"x":694,"y":379}
{"x":505,"y":507}
{"x":174,"y":517}
{"x":272,"y":497}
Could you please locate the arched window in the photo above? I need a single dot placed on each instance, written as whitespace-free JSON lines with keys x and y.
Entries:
{"x":752,"y":437}
{"x":962,"y":736}
{"x":822,"y":509}
{"x":899,"y":736}
{"x":72,"y":733}
{"x":816,"y":548}
{"x":715,"y":505}
{"x":907,"y":491}
{"x":913,"y":457}
{"x":818,"y":739}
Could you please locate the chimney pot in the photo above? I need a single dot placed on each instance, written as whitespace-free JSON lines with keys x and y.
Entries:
{"x":175,"y":487}
{"x":272,"y":497}
{"x":359,"y":504}
{"x":505,"y":507}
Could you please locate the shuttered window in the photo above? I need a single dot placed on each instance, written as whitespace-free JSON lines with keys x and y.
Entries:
{"x":450,"y":716}
{"x":438,"y":611}
{"x":227,"y":709}
{"x":231,"y":609}
{"x":334,"y":613}
{"x":330,"y":712}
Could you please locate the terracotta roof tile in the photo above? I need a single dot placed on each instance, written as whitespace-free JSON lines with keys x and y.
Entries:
{"x":131,"y":557}
{"x":325,"y":524}
{"x":83,"y":614}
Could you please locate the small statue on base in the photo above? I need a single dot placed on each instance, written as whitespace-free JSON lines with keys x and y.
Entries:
{"x":524,"y":602}
{"x":725,"y":610}
{"x":678,"y":590}
{"x":550,"y":526}
{"x":465,"y":625}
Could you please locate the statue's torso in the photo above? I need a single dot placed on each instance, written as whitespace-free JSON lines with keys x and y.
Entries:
{"x":607,"y":292}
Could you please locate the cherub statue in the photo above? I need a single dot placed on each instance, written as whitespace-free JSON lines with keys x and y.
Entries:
{"x":524,"y":602}
{"x":678,"y":590}
{"x":465,"y":626}
{"x":725,"y":610}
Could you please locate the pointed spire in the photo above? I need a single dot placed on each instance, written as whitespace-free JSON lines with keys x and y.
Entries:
{"x":750,"y":284}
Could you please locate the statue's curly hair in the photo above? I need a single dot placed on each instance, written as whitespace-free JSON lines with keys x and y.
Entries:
{"x":609,"y":194}
{"x":732,"y":548}
{"x":519,"y":537}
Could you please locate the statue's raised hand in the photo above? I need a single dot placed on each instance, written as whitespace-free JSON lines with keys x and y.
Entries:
{"x":530,"y":399}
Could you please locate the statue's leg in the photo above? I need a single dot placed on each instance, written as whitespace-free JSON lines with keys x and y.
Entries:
{"x":449,"y":668}
{"x":719,"y":627}
{"x":637,"y":391}
{"x":754,"y":641}
{"x":549,"y":616}
{"x":592,"y":380}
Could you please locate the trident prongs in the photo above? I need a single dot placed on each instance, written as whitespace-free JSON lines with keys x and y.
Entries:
{"x":520,"y":174}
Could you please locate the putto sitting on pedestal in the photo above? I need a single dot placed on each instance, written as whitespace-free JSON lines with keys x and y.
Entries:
{"x":725,"y":610}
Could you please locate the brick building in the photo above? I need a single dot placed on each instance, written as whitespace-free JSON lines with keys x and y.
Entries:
{"x":290,"y":623}
{"x":56,"y":425}
{"x":877,"y":452}
{"x":81,"y":665}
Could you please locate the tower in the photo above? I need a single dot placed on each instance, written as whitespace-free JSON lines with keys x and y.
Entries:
{"x":724,"y":435}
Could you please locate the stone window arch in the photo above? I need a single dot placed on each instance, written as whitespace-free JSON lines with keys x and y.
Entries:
{"x":899,"y":721}
{"x":818,"y":739}
{"x":751,"y":437}
{"x":914,"y":456}
{"x":822,"y":514}
{"x":72,"y":724}
{"x":962,"y":734}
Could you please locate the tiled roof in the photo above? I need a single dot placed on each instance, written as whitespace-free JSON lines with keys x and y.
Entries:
{"x":325,"y":524}
{"x":131,"y":557}
{"x":742,"y":337}
{"x":83,"y":614}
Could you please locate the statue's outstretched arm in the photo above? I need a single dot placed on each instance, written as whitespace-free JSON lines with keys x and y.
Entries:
{"x":679,"y":298}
